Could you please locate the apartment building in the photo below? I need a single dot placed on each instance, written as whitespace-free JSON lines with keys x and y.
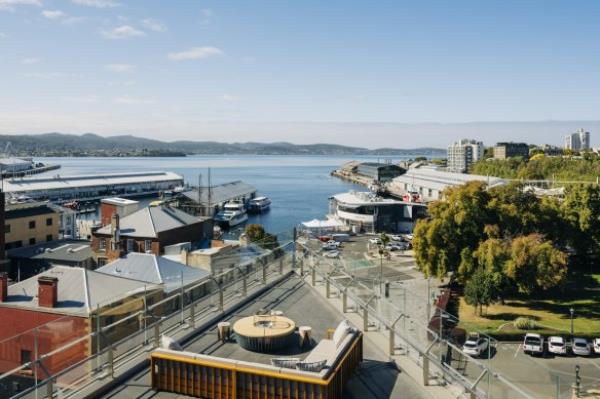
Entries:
{"x":30,"y":223}
{"x":462,"y":153}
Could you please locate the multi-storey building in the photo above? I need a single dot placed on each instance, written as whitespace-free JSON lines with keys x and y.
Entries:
{"x":509,"y":150}
{"x":30,"y":223}
{"x":578,"y":141}
{"x":462,"y":153}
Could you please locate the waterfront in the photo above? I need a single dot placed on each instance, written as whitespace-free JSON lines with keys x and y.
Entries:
{"x":298,"y":186}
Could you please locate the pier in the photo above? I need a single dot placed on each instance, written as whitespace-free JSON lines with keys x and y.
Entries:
{"x":92,"y":187}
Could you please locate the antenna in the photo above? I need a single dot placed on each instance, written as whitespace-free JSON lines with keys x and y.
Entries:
{"x":209,"y":194}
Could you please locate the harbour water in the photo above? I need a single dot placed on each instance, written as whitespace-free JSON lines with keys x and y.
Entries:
{"x":298,"y":186}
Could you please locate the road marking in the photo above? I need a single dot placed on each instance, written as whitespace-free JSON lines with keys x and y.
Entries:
{"x":593,"y":363}
{"x":517,"y":351}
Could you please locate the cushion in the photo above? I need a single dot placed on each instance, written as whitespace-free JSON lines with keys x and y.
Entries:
{"x":285,"y":362}
{"x":324,"y":350}
{"x":340,"y":332}
{"x":314,"y":367}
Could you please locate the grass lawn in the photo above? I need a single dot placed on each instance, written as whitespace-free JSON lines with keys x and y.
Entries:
{"x":550,"y":311}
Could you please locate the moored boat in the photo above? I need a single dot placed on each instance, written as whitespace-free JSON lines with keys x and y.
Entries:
{"x":259,"y":204}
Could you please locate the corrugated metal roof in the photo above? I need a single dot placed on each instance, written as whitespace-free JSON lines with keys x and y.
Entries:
{"x":439,"y":180}
{"x":58,"y":250}
{"x":75,"y":181}
{"x":150,"y":221}
{"x":153,"y":269}
{"x":79,"y":290}
{"x":222,"y":192}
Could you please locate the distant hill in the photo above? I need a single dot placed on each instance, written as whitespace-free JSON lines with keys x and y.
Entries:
{"x":89,"y":144}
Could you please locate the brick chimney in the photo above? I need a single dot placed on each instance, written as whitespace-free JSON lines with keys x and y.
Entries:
{"x":3,"y":287}
{"x":115,"y":232}
{"x":47,"y":291}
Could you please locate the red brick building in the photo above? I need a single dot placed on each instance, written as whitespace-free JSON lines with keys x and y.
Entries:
{"x":149,"y":230}
{"x":52,"y":309}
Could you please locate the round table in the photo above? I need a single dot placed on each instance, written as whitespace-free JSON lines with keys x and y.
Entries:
{"x":264,"y":333}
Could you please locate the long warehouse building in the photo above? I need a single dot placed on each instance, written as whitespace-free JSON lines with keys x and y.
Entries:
{"x":60,"y":188}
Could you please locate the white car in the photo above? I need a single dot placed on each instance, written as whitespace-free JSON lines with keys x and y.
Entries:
{"x":533,"y":344}
{"x":596,"y":345}
{"x":409,"y":237}
{"x":333,"y":242}
{"x":375,"y":241}
{"x":476,"y":346}
{"x":557,"y":345}
{"x":581,"y":347}
{"x":329,"y":247}
{"x":397,"y":238}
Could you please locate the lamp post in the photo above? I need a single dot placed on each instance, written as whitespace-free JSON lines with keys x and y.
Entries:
{"x":572,"y":332}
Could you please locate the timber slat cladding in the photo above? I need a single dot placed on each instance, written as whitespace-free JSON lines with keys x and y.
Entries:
{"x":216,"y":380}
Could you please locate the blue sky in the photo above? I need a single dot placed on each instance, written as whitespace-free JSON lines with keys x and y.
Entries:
{"x":300,"y":71}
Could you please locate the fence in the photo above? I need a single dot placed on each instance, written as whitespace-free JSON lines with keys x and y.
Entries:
{"x":62,"y":364}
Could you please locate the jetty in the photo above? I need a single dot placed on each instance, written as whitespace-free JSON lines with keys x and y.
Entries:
{"x":92,"y":187}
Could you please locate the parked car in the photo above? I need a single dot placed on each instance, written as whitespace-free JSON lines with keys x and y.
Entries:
{"x":476,"y":346}
{"x":332,"y":254}
{"x":397,"y":238}
{"x":596,"y":345}
{"x":329,"y":247}
{"x":409,"y":237}
{"x":533,"y":344}
{"x":340,"y":237}
{"x":581,"y":347}
{"x":333,"y":242}
{"x":557,"y":345}
{"x":376,"y":241}
{"x":324,"y":238}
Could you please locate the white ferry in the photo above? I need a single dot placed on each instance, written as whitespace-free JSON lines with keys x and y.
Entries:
{"x":233,"y":213}
{"x":259,"y":204}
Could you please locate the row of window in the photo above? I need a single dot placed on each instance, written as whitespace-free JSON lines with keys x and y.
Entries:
{"x":130,"y":244}
{"x":32,"y":241}
{"x":49,"y":222}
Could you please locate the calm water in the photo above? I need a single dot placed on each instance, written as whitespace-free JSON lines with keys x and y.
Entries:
{"x":298,"y":186}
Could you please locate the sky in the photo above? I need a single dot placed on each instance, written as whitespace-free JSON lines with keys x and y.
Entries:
{"x":369,"y":73}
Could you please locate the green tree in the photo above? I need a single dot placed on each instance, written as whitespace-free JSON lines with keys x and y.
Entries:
{"x":581,"y":212}
{"x":491,"y":256}
{"x":255,"y":232}
{"x":535,"y":264}
{"x":478,"y":292}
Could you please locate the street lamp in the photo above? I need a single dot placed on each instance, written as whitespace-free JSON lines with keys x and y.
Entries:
{"x":572,"y":311}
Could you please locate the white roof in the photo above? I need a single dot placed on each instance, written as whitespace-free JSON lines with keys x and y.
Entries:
{"x":153,"y":269}
{"x":358,"y":198}
{"x":77,"y":181}
{"x":79,"y":290}
{"x":118,"y":201}
{"x":439,"y":180}
{"x":322,"y":224}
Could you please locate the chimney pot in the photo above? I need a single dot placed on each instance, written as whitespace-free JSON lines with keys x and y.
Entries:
{"x":47,"y":291}
{"x":3,"y":287}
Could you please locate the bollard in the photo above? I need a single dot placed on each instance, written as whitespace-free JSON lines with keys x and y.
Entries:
{"x":425,"y":370}
{"x":387,"y":289}
{"x":344,"y":302}
{"x":157,"y":335}
{"x":392,"y":342}
{"x":365,"y":319}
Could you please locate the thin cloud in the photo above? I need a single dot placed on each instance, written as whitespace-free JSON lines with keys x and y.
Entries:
{"x":230,"y":98}
{"x":81,"y":100}
{"x":154,"y":25}
{"x":53,"y":14}
{"x":50,"y":75}
{"x":3,"y":35}
{"x":97,"y":3}
{"x":120,"y":68}
{"x":10,"y":5}
{"x":122,"y":32}
{"x":30,"y":61}
{"x":133,"y":100}
{"x":195,"y":53}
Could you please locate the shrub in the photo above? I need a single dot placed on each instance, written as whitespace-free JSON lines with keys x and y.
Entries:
{"x":525,"y":323}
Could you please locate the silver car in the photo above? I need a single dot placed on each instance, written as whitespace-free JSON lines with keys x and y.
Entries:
{"x":581,"y":347}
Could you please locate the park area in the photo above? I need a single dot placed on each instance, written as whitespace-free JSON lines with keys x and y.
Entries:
{"x":548,"y":313}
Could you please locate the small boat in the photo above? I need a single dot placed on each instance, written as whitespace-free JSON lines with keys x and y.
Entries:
{"x":259,"y":204}
{"x":233,"y":213}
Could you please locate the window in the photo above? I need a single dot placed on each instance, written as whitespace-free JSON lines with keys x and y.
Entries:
{"x":49,"y":222}
{"x":102,"y":244}
{"x":148,"y":245}
{"x":32,"y":241}
{"x":25,"y":357}
{"x":130,"y":245}
{"x":49,"y":237}
{"x":32,"y":224}
{"x":7,"y":228}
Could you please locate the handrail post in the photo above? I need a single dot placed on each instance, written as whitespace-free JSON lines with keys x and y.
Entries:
{"x":111,"y":359}
{"x":192,"y":315}
{"x":344,"y":302}
{"x":281,"y":265}
{"x":425,"y":369}
{"x":157,"y":334}
{"x":314,"y":276}
{"x":264,"y":273}
{"x":365,"y":319}
{"x":245,"y":285}
{"x":327,"y":288}
{"x":221,"y":304}
{"x":392,"y":341}
{"x":49,"y":388}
